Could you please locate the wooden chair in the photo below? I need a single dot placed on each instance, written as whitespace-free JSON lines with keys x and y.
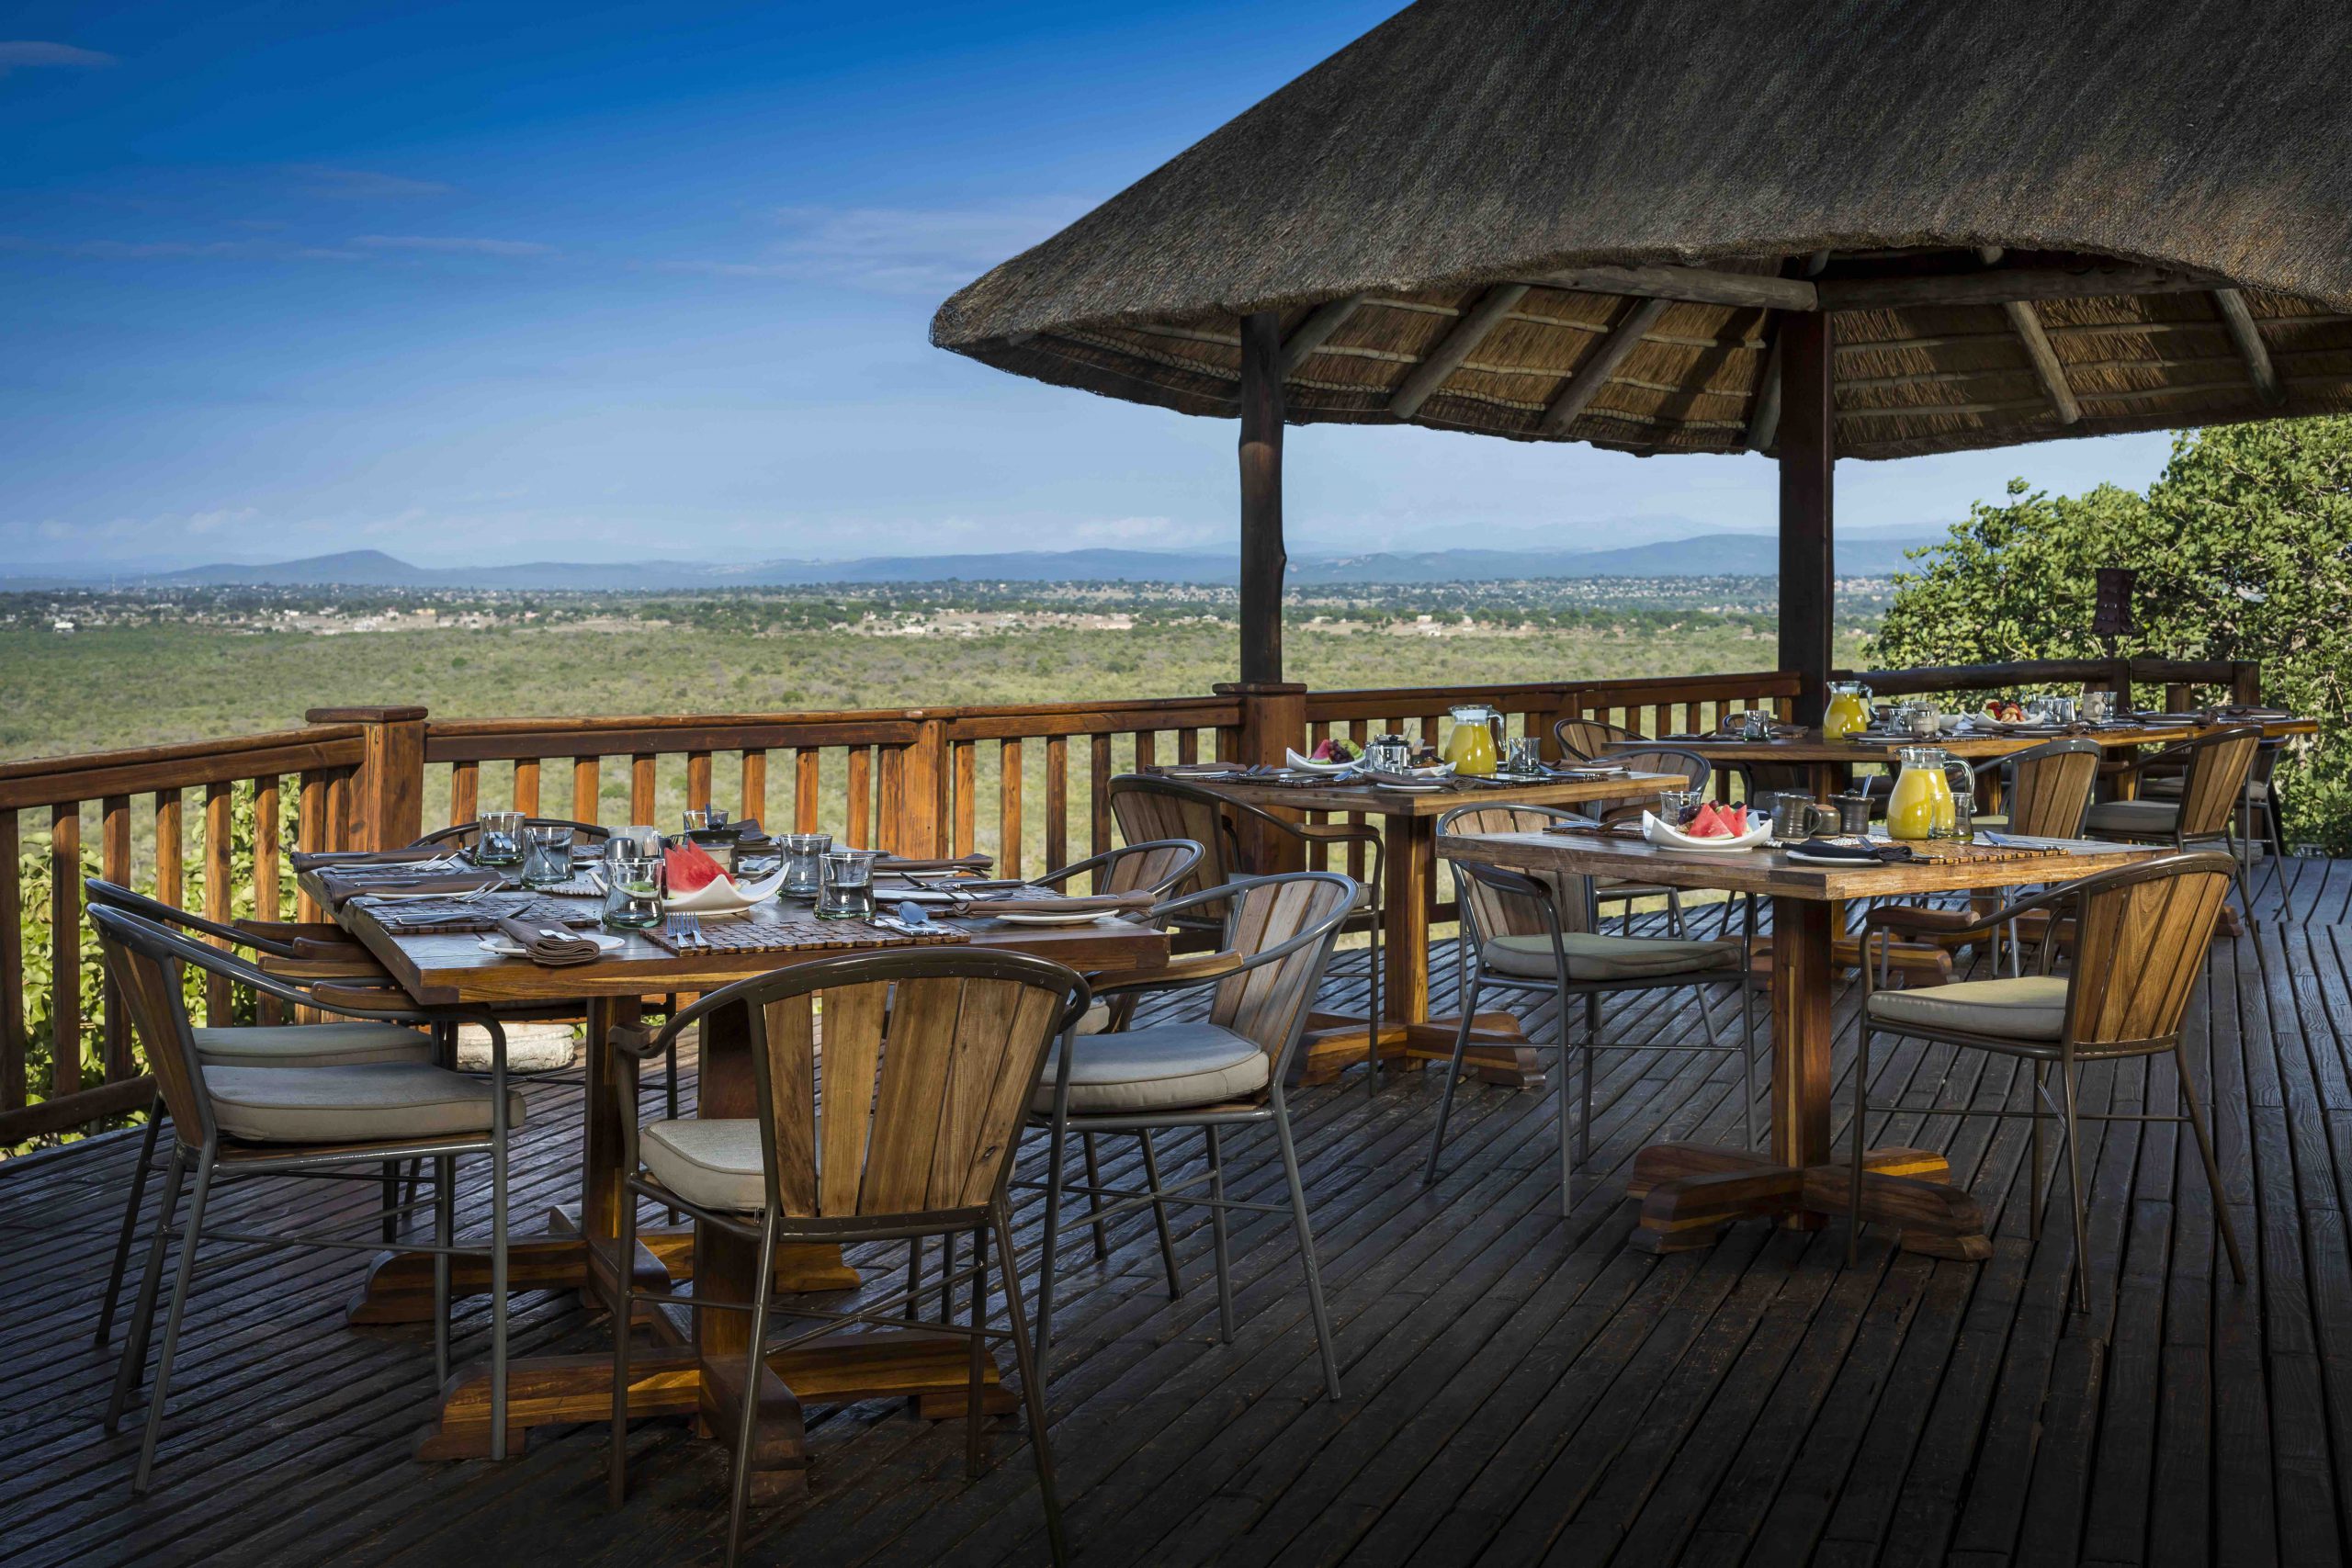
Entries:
{"x":303,"y":957}
{"x":1540,"y":933}
{"x":1591,"y":739}
{"x":463,"y":834}
{"x":905,"y":1124}
{"x":1695,"y":772}
{"x":2210,"y":810}
{"x":2262,"y":822}
{"x":1216,"y":1074}
{"x":235,"y":1121}
{"x":1147,"y":807}
{"x":2140,"y":936}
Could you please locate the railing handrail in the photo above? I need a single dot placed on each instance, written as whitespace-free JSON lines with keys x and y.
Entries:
{"x":136,"y":770}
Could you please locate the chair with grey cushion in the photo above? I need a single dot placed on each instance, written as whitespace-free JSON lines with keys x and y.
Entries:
{"x":1695,"y":772}
{"x":2139,"y":937}
{"x":1217,"y":1074}
{"x":904,"y":1124}
{"x":314,"y":959}
{"x":233,"y":1121}
{"x":1535,"y":935}
{"x":2210,"y":809}
{"x":2261,"y":820}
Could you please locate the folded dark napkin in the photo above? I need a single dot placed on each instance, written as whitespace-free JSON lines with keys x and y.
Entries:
{"x":550,"y":945}
{"x":341,"y":893}
{"x":1096,"y":904}
{"x":1860,"y":854}
{"x":326,"y":859}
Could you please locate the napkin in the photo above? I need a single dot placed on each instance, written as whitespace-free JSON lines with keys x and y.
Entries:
{"x":550,"y":945}
{"x":451,"y":882}
{"x":1097,"y":904}
{"x":1860,"y":854}
{"x":329,"y":859}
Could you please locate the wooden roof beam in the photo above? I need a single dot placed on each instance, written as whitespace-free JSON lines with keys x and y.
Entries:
{"x":1996,"y":285}
{"x":1691,"y":284}
{"x":1764,"y":413}
{"x":1599,"y":365}
{"x":1315,"y":331}
{"x":1455,"y":347}
{"x":2248,"y":336}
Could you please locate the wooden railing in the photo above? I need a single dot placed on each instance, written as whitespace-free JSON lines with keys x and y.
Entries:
{"x":1024,"y":783}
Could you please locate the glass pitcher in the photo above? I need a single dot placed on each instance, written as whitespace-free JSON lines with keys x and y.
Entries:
{"x":1921,"y":805}
{"x":804,"y":863}
{"x":1849,"y":710}
{"x":1476,"y":740}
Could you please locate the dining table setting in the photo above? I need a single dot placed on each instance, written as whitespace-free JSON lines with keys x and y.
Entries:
{"x":642,"y":918}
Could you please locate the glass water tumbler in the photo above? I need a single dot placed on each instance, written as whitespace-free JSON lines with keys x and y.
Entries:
{"x":633,"y":893}
{"x":498,"y":837}
{"x":848,"y":892}
{"x":804,"y":863}
{"x":547,"y":857}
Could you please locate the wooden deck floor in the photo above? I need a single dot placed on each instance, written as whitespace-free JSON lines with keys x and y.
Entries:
{"x":1520,"y":1388}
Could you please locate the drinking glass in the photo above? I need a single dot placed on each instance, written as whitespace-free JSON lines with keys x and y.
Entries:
{"x":1388,"y":753}
{"x":637,"y":841}
{"x":2097,"y":706}
{"x":804,"y":872}
{"x":547,"y":857}
{"x":848,"y":892}
{"x":633,"y":886}
{"x":1525,"y":756}
{"x":1853,"y":812}
{"x":1964,"y":815}
{"x":1676,"y":807}
{"x":498,"y":837}
{"x":709,"y":820}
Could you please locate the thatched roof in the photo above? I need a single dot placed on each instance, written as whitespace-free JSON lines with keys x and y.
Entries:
{"x":2167,"y":184}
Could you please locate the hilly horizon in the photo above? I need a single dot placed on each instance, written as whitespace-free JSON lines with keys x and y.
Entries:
{"x":1867,"y":552}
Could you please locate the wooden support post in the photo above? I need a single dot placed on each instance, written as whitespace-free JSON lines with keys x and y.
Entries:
{"x":1263,"y":561}
{"x":1273,"y":720}
{"x":388,"y":789}
{"x":1807,"y":448}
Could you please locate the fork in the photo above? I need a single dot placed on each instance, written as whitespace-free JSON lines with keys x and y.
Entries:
{"x":692,"y":933}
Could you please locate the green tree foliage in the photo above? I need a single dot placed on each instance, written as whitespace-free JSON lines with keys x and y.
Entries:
{"x":2244,"y":550}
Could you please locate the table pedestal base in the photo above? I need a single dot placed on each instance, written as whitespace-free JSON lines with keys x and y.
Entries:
{"x":1499,"y":1053}
{"x":1689,"y":1192}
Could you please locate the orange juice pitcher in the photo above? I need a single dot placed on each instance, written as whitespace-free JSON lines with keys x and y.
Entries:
{"x":1471,"y":747}
{"x":1849,"y":710}
{"x":1921,"y":804}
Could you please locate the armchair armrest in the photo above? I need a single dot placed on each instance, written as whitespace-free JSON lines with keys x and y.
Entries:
{"x":356,"y":968}
{"x":1198,"y":969}
{"x":1337,"y":832}
{"x":1918,"y":919}
{"x":638,"y":1041}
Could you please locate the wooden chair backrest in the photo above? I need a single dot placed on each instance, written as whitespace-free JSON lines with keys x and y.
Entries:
{"x":147,"y":976}
{"x":1587,"y":740}
{"x":2218,"y":765}
{"x":1147,"y":809}
{"x":2141,"y":935}
{"x":1150,"y":866}
{"x":1668,"y":759}
{"x":1269,"y":1004}
{"x":894,"y":1084}
{"x":1493,"y":907}
{"x":463,"y":834}
{"x":2049,"y":788}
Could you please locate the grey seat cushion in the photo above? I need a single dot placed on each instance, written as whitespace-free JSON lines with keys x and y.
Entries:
{"x":366,"y":1103}
{"x":2033,"y":1008}
{"x":1165,"y":1067}
{"x":2150,"y":817}
{"x":311,"y":1045}
{"x":2167,"y":786}
{"x":1593,"y":957}
{"x":715,"y":1163}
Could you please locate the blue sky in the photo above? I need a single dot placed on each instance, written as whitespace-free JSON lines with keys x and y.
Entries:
{"x":497,"y":282}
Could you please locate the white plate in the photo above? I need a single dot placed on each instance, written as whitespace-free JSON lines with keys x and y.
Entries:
{"x":1411,"y":789}
{"x":1831,"y":860}
{"x":1307,"y":764}
{"x":507,"y":947}
{"x":1656,"y":832}
{"x":1056,"y":918}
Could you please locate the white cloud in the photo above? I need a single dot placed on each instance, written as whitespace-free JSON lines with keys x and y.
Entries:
{"x":27,"y":54}
{"x":361,"y":185}
{"x":455,"y":244}
{"x":910,"y":250}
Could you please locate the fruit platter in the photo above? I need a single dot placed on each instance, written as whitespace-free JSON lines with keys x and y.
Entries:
{"x":700,"y":885}
{"x":1336,"y":755}
{"x":1714,"y":829}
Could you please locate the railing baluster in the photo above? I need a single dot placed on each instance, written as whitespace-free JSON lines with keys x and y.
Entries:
{"x":1188,"y":745}
{"x":309,"y":833}
{"x":965,"y":785}
{"x":698,"y":781}
{"x":526,"y":785}
{"x":861,"y":796}
{"x":587,"y":789}
{"x":464,"y":792}
{"x":755,"y":803}
{"x":641,"y":780}
{"x":1056,"y":801}
{"x":12,"y":968}
{"x":1147,"y":750}
{"x":114,"y":864}
{"x":1099,"y":795}
{"x":220,"y":830}
{"x":890,"y":801}
{"x":268,"y":904}
{"x":804,"y":789}
{"x":65,"y":948}
{"x":1009,"y":829}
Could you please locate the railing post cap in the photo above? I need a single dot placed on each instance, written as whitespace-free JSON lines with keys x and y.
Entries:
{"x":399,"y":714}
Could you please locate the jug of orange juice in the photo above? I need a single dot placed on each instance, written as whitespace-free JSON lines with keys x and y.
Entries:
{"x":1474,"y":745}
{"x":1849,"y":710}
{"x":1921,"y":804}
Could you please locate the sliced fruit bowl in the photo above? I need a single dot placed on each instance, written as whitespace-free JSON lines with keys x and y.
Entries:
{"x":1713,"y":831}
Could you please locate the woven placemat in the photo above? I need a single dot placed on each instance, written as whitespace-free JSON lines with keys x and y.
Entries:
{"x":802,"y":934}
{"x":431,"y":917}
{"x":1955,"y":850}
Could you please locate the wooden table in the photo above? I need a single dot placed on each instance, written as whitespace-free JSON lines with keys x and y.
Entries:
{"x":1690,"y":1192}
{"x":1409,"y":828}
{"x":675,"y":1378}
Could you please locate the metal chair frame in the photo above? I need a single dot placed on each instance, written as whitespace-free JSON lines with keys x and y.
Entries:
{"x":1583,"y":728}
{"x":463,"y":833}
{"x":215,"y":1159}
{"x":2063,"y":907}
{"x":1319,"y":936}
{"x":2195,"y":755}
{"x":634,"y":1044}
{"x":1539,"y":895}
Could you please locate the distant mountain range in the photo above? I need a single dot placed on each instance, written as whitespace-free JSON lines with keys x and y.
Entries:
{"x":1871,"y":553}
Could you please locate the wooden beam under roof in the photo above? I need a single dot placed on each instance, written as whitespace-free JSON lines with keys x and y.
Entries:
{"x":1996,"y":286}
{"x":1692,"y":285}
{"x":1602,"y":363}
{"x":2248,"y":336}
{"x":1315,"y":331}
{"x":1764,"y":412}
{"x":1455,"y":347}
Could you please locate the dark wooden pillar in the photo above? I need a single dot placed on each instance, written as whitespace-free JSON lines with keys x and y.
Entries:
{"x":1808,"y":585}
{"x":1262,"y":558}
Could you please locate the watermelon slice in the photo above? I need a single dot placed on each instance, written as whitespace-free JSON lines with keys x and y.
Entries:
{"x":1709,"y":823}
{"x":690,"y":869}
